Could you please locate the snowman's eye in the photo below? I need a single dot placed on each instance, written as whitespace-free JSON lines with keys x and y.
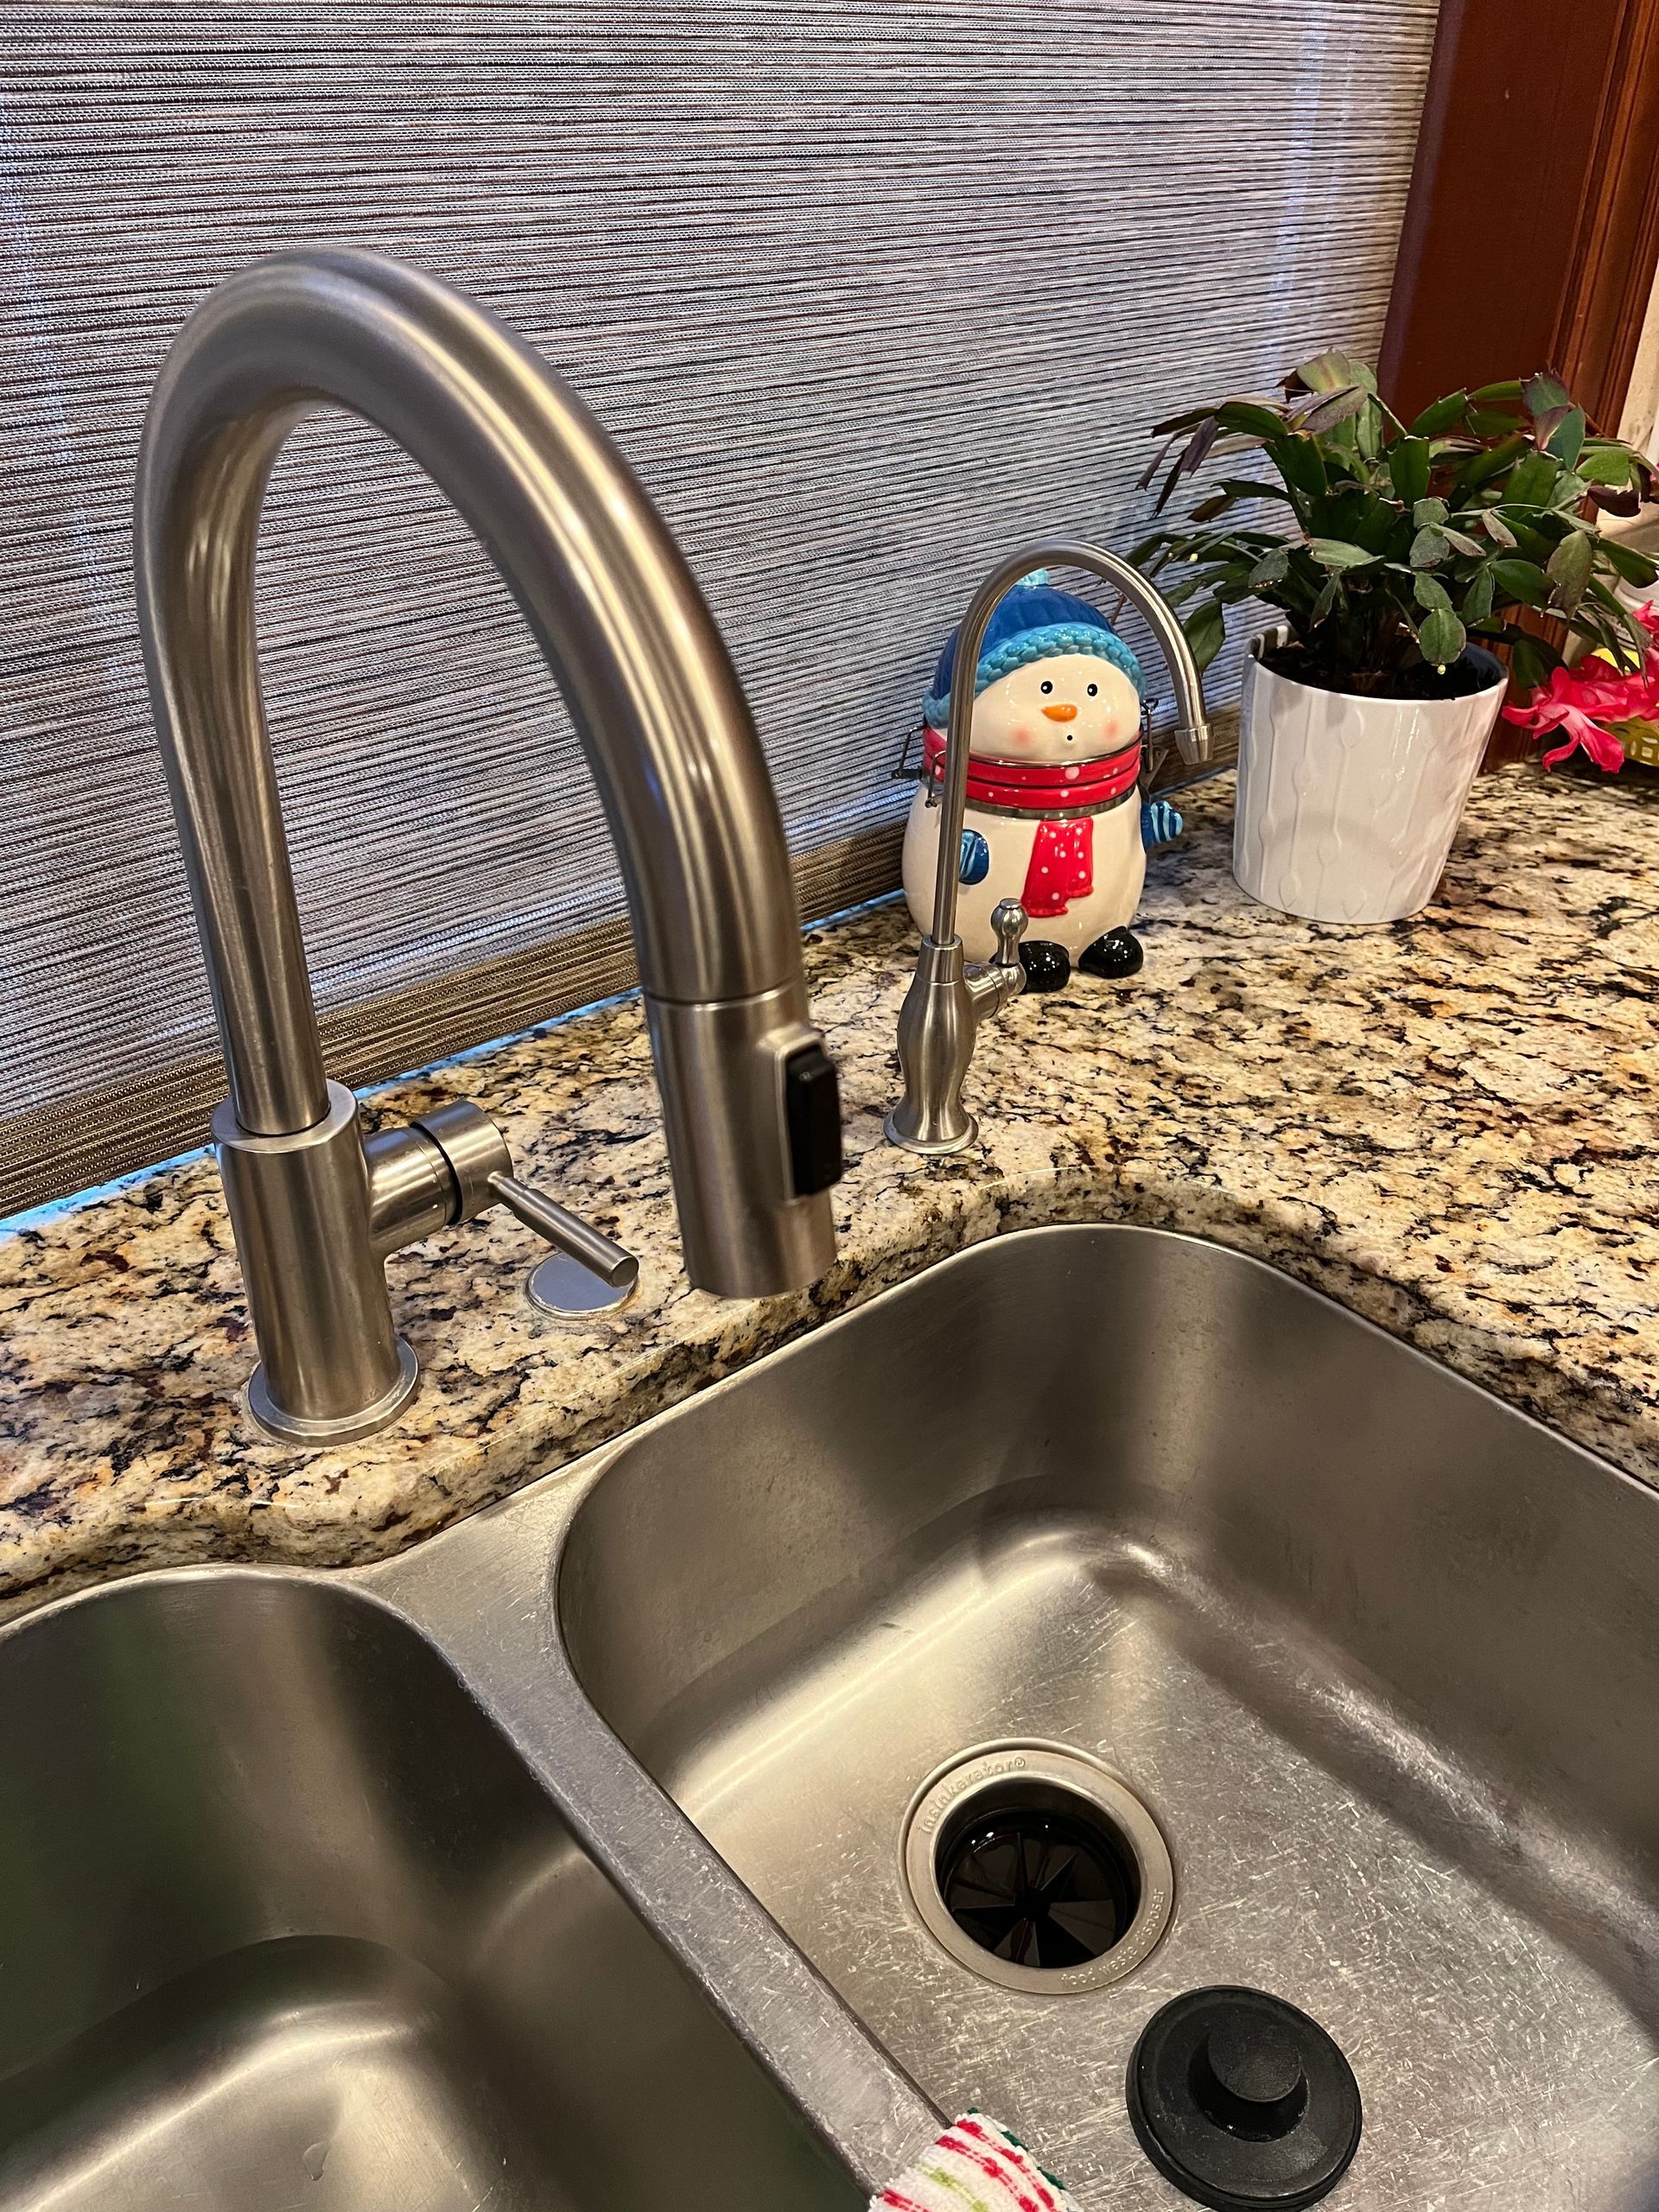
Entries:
{"x":1094,"y":690}
{"x":1047,"y":688}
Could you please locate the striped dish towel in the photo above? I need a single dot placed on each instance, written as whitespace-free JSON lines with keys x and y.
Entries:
{"x":975,"y":2166}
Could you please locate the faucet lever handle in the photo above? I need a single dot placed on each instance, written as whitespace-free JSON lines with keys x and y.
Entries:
{"x":567,"y":1233}
{"x":1010,"y":921}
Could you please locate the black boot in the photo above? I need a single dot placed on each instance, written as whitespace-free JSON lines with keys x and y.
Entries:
{"x":1047,"y":967}
{"x":1114,"y":956}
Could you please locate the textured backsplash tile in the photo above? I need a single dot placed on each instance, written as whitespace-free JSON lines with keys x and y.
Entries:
{"x":867,"y":292}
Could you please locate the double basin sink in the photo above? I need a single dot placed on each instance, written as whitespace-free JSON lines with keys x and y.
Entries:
{"x":591,"y":1855}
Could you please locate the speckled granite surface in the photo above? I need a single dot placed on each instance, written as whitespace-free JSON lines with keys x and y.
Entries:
{"x":1448,"y":1125}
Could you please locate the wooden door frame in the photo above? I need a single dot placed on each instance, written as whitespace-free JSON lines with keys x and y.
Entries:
{"x":1532,"y":228}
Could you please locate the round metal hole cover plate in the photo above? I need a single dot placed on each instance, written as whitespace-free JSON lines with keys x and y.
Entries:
{"x":1077,"y":1787}
{"x":560,"y":1284}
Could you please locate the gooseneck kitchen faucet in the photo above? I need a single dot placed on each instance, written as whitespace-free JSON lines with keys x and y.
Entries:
{"x":947,"y":1000}
{"x":748,"y":1094}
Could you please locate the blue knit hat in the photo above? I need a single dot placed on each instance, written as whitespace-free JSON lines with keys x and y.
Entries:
{"x":1034,"y":622}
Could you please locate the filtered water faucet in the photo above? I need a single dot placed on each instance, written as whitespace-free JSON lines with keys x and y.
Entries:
{"x":947,"y":1000}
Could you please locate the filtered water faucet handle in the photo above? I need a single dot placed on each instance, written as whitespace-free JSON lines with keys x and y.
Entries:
{"x":1010,"y":921}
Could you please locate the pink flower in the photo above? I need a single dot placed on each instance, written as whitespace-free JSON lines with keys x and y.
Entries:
{"x":1586,"y":703}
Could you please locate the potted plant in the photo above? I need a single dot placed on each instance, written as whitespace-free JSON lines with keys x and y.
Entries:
{"x":1399,"y":554}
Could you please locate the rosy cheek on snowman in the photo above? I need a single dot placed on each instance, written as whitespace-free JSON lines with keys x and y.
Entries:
{"x":1072,"y":706}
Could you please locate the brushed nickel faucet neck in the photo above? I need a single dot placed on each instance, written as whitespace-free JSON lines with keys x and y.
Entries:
{"x":662,"y":720}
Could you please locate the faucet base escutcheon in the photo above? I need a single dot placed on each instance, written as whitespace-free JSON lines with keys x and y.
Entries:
{"x":277,"y":1426}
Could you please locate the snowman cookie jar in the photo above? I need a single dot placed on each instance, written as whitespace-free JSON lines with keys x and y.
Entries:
{"x":1054,"y":815}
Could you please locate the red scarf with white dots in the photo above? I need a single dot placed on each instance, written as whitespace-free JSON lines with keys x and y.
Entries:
{"x":1062,"y":865}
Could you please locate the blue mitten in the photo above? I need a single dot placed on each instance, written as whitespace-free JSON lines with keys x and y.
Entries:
{"x":1160,"y":824}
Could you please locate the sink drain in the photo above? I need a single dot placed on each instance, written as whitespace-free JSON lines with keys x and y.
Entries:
{"x":1034,"y":1882}
{"x":1034,"y":1865}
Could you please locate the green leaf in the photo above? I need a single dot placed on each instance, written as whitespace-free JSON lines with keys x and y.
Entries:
{"x":1335,"y":553}
{"x":1626,"y":652}
{"x":1477,"y":600}
{"x":1353,"y":517}
{"x":1409,"y":462}
{"x":1483,"y":467}
{"x":1332,"y":370}
{"x":1532,"y":543}
{"x":1540,"y":394}
{"x":1615,"y":605}
{"x":1325,"y":601}
{"x":1637,"y":642}
{"x":1602,"y":462}
{"x":1462,"y":542}
{"x":1626,"y":561}
{"x":1187,"y":584}
{"x":1496,"y":529}
{"x":1533,"y":660}
{"x":1443,"y":416}
{"x":1249,"y":418}
{"x":1229,"y":443}
{"x":1522,"y":580}
{"x":1429,"y":547}
{"x":1271,"y":568}
{"x":1533,"y":484}
{"x":1300,"y":461}
{"x":1510,"y":389}
{"x":1177,"y":424}
{"x":1206,"y":632}
{"x":1186,"y":565}
{"x":1431,"y":594}
{"x":1429,"y":514}
{"x":1570,"y":569}
{"x":1567,"y":442}
{"x":1442,"y":637}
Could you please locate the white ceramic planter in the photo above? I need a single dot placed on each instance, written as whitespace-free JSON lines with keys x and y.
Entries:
{"x":1347,"y":807}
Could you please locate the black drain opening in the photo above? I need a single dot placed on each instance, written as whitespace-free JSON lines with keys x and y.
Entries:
{"x":1036,"y":1875}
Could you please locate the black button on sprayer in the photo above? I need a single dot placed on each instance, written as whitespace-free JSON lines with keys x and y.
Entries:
{"x":1243,"y":2102}
{"x":812,"y":1109}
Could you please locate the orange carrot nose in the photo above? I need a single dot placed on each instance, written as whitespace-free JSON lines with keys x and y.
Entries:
{"x":1061,"y":713}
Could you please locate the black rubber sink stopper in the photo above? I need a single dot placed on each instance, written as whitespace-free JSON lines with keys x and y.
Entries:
{"x":1242,"y":2102}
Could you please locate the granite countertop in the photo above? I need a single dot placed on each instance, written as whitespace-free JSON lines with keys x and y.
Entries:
{"x":1447,"y":1125}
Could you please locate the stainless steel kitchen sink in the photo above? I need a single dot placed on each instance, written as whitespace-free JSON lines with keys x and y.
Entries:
{"x":627,"y":1843}
{"x":286,"y":1921}
{"x":1377,"y":1655}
